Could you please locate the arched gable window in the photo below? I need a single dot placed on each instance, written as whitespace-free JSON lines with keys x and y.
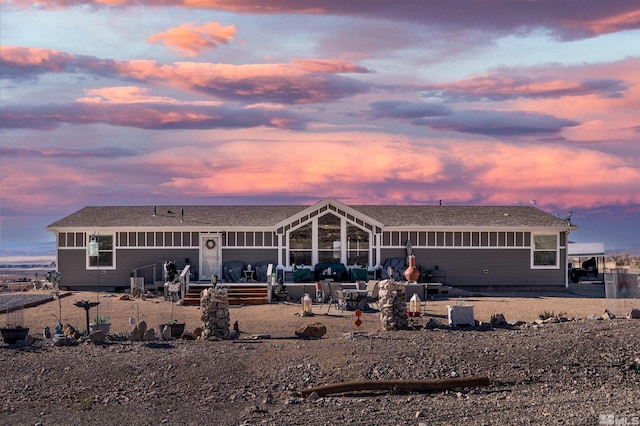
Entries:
{"x":329,"y":238}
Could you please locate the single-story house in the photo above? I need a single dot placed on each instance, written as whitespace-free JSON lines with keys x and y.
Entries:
{"x":515,"y":247}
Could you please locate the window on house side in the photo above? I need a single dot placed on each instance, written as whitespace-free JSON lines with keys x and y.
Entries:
{"x":545,"y":250}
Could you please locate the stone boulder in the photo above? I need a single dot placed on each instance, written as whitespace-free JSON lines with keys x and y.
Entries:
{"x":64,"y":341}
{"x":311,"y":331}
{"x":96,"y":337}
{"x":149,"y":335}
{"x":138,"y":331}
{"x":498,"y":320}
{"x":634,"y":313}
{"x":70,"y":331}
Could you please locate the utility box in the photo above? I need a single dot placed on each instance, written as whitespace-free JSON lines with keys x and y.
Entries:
{"x":461,"y":315}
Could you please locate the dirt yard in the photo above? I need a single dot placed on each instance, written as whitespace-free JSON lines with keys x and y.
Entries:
{"x":579,"y":372}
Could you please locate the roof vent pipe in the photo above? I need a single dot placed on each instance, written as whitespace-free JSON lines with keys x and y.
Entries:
{"x":181,"y":215}
{"x":154,"y":210}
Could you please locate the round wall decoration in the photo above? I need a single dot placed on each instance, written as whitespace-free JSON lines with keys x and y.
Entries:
{"x":210,"y":244}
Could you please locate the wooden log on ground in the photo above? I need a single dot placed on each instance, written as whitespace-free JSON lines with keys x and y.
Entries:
{"x":398,"y":385}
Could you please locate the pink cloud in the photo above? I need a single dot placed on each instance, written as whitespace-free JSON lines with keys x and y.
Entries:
{"x":512,"y":84}
{"x":133,"y":95}
{"x":24,"y":62}
{"x":629,"y":20}
{"x":567,"y":19}
{"x":162,"y":115}
{"x":400,"y":170}
{"x":299,"y":82}
{"x":190,"y":39}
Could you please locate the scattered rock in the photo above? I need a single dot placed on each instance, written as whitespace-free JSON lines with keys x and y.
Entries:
{"x":498,"y":320}
{"x":432,"y":323}
{"x":149,"y":335}
{"x":128,"y":296}
{"x":138,"y":331}
{"x":187,"y":335}
{"x":166,"y":333}
{"x":634,"y":314}
{"x":96,"y":337}
{"x":260,"y":336}
{"x":608,"y":315}
{"x":70,"y":331}
{"x":311,"y":331}
{"x":64,"y":341}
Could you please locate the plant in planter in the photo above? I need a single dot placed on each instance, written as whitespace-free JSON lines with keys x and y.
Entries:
{"x":100,"y":323}
{"x":280,"y":291}
{"x":176,"y":327}
{"x":13,"y":329}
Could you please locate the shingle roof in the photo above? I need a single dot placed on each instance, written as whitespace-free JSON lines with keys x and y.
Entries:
{"x":169,"y":216}
{"x":270,"y":215}
{"x":462,"y":216}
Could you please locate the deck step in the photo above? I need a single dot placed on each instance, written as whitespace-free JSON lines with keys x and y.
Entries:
{"x":247,"y":294}
{"x":236,"y":294}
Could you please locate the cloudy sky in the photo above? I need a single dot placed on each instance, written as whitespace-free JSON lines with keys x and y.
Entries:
{"x":472,"y":102}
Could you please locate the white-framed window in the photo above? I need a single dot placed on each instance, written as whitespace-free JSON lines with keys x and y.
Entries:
{"x":301,"y":245}
{"x":329,"y":239}
{"x":544,"y":251}
{"x":101,"y":252}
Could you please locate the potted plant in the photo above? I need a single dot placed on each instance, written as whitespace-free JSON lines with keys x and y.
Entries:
{"x":280,"y":291}
{"x":100,"y":323}
{"x":176,"y":327}
{"x":13,"y":329}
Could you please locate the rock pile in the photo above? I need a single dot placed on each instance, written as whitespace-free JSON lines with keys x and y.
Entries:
{"x":215,"y":314}
{"x":393,"y":308}
{"x":141,"y":332}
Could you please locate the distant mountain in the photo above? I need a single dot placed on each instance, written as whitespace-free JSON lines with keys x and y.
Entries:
{"x":630,"y":251}
{"x":28,"y":249}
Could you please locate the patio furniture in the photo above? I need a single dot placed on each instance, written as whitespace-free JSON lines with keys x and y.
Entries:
{"x":373,"y":291}
{"x":334,"y":271}
{"x":326,"y":294}
{"x":232,"y":271}
{"x":398,"y":265}
{"x":337,"y":296}
{"x":358,"y":274}
{"x":261,"y":268}
{"x":302,"y":275}
{"x":354,"y":299}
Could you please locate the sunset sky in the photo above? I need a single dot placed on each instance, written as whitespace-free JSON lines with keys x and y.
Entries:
{"x":182,"y":102}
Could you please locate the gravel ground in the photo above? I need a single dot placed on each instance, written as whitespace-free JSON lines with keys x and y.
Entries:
{"x":579,"y":372}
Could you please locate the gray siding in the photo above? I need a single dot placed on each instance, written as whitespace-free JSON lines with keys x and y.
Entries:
{"x":72,"y":266}
{"x":251,"y":256}
{"x":506,"y":267}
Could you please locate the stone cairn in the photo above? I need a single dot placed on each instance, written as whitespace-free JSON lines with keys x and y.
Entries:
{"x":393,"y":309}
{"x":215,"y":314}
